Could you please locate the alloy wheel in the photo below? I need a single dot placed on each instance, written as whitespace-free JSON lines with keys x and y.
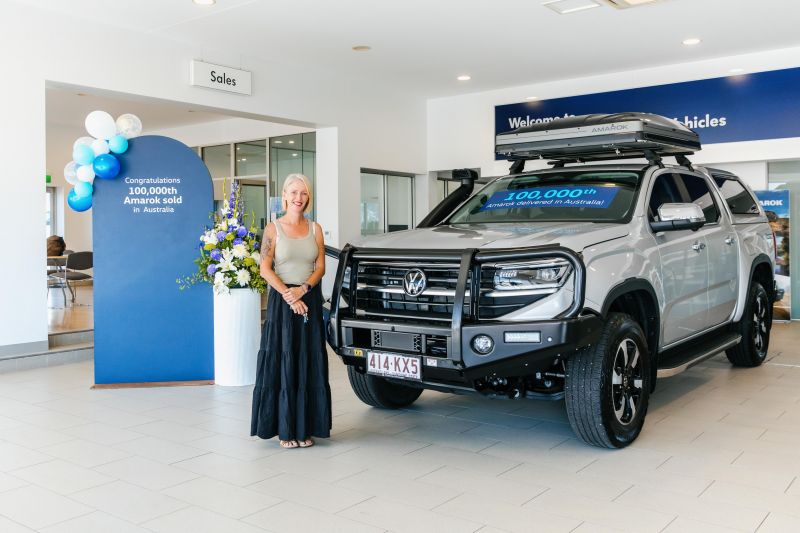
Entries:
{"x":626,"y":381}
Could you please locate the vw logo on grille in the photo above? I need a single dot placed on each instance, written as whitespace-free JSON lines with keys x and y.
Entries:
{"x":414,"y":282}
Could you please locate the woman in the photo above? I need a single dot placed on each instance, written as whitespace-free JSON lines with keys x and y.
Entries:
{"x":292,"y":398}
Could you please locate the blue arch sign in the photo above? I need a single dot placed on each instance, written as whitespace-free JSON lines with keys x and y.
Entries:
{"x":145,"y":226}
{"x":748,"y":107}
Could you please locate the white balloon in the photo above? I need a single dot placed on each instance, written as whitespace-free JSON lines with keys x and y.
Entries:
{"x":100,"y":146}
{"x":129,"y":126}
{"x":83,"y":140}
{"x":71,"y":172}
{"x":86,"y":173}
{"x":100,"y":125}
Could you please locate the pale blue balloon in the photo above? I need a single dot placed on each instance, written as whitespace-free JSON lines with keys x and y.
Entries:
{"x":118,"y":144}
{"x":78,"y":203}
{"x":83,"y":155}
{"x":83,"y":188}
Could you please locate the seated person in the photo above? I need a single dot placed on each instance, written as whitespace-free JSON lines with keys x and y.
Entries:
{"x":55,"y":246}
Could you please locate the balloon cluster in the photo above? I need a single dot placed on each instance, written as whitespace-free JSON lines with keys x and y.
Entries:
{"x":93,"y":157}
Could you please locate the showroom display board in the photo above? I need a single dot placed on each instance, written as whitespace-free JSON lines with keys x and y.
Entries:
{"x":744,"y":107}
{"x":776,"y":205}
{"x":145,"y":226}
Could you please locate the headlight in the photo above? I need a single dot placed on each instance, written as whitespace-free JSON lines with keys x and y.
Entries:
{"x":346,"y":280}
{"x":539,"y":274}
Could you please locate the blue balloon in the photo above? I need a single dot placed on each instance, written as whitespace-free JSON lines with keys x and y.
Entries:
{"x":106,"y":166}
{"x":83,"y":154}
{"x":118,"y":144}
{"x":83,"y":188}
{"x":78,"y":203}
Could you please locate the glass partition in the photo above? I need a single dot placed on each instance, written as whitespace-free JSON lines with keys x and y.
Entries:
{"x":387,"y":202}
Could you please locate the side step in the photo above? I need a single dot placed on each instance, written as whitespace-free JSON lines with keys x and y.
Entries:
{"x":676,"y":361}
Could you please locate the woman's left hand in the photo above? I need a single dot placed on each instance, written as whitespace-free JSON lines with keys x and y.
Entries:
{"x":293,"y":294}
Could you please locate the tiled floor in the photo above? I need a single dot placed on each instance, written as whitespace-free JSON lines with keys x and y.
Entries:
{"x":719,"y":453}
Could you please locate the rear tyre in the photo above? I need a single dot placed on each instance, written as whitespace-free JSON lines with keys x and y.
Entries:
{"x":754,"y":327}
{"x":378,"y":392}
{"x":607,"y":385}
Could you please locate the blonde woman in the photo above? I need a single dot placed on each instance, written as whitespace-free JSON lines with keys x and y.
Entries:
{"x":292,"y":398}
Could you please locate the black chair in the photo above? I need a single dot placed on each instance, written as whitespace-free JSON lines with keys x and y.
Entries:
{"x":67,"y":277}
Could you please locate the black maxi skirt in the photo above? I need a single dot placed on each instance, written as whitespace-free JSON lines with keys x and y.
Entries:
{"x":292,"y":397}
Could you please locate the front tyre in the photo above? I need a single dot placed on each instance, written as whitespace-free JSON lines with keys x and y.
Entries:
{"x":607,"y":385}
{"x":377,"y":392}
{"x":754,"y":327}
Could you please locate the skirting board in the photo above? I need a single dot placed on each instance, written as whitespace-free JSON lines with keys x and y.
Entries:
{"x":151,"y":384}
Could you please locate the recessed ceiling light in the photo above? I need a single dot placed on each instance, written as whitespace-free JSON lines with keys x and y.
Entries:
{"x":625,"y":4}
{"x":244,"y":159}
{"x":277,"y":142}
{"x":531,"y":98}
{"x":362,"y":48}
{"x":291,"y":142}
{"x":294,"y":155}
{"x":564,"y":7}
{"x":205,"y":2}
{"x":464,"y":77}
{"x":736,"y":70}
{"x":691,"y":41}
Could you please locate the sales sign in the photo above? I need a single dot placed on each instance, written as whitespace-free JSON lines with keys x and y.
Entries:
{"x":748,"y":107}
{"x":202,"y":74}
{"x":569,"y":196}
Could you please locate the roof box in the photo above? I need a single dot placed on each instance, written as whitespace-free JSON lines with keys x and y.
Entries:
{"x":599,"y":137}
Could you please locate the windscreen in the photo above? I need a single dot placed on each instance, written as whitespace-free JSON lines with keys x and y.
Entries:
{"x":569,"y":195}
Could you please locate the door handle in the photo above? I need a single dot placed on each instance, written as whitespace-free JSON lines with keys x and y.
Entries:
{"x":729,"y":240}
{"x":698,"y":246}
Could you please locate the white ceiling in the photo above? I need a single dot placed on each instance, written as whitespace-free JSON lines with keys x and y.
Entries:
{"x":422,"y":45}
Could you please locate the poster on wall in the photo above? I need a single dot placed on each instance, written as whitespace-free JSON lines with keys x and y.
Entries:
{"x":776,"y":206}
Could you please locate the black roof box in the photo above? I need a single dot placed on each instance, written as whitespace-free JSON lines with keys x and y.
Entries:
{"x":599,"y":137}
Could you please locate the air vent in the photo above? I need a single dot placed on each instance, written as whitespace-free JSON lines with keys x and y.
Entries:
{"x":626,"y":4}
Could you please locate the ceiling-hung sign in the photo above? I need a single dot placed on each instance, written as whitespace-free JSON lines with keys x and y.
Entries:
{"x":202,"y":74}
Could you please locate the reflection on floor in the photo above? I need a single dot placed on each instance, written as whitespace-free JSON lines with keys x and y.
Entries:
{"x":63,"y":317}
{"x":718,"y":453}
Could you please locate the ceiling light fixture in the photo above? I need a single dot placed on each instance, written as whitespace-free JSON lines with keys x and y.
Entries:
{"x":736,"y":70}
{"x":205,"y":2}
{"x":277,"y":142}
{"x":464,"y":77}
{"x":625,"y":4}
{"x":244,"y":159}
{"x":362,"y":48}
{"x":294,"y":155}
{"x":531,"y":98}
{"x":565,"y":7}
{"x":691,"y":41}
{"x":291,"y":142}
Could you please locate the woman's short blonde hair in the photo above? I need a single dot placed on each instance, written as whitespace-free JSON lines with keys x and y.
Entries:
{"x":292,"y":178}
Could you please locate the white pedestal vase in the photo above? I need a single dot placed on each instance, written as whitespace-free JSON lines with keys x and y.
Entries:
{"x":237,"y":335}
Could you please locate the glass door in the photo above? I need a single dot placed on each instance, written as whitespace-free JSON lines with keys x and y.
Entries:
{"x":387,"y":202}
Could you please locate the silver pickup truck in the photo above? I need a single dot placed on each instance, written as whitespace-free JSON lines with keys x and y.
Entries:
{"x":585,"y":282}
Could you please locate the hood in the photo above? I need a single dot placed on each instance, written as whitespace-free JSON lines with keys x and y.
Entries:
{"x":573,"y":235}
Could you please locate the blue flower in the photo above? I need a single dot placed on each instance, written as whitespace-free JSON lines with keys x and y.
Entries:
{"x":241,"y":231}
{"x":256,"y":245}
{"x":216,"y":255}
{"x":211,"y":269}
{"x":221,"y":235}
{"x":237,"y":241}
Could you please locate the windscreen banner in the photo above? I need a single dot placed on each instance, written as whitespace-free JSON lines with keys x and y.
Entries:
{"x":776,"y":206}
{"x":745,"y":107}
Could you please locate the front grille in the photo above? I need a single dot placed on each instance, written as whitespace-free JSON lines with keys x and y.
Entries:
{"x":379,"y":291}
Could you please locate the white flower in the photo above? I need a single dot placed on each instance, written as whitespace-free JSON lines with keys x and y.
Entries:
{"x":226,"y":265}
{"x":221,"y":283}
{"x":226,"y":207}
{"x":255,"y":256}
{"x":243,"y":277}
{"x":239,"y":251}
{"x":233,"y":222}
{"x":209,"y":238}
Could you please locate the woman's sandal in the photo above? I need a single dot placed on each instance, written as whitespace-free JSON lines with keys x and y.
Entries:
{"x":288,"y":444}
{"x":307,"y":443}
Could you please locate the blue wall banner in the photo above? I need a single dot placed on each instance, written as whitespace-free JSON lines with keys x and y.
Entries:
{"x":747,"y":107}
{"x":776,"y":205}
{"x":146,"y":224}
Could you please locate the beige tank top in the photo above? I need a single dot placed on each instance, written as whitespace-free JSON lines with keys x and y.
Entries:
{"x":295,"y":258}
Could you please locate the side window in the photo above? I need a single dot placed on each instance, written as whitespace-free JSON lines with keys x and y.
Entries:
{"x":697,"y":191}
{"x":665,"y":191}
{"x":736,"y":196}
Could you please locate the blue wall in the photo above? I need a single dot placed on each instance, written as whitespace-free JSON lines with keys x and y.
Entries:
{"x":146,"y":329}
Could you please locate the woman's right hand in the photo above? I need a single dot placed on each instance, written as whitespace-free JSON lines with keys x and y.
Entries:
{"x":299,"y":307}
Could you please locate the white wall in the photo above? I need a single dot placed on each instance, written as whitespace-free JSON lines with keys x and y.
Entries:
{"x":368,"y":120}
{"x":461,"y":129}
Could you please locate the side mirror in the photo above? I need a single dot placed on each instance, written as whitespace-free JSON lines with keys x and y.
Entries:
{"x":674,"y":217}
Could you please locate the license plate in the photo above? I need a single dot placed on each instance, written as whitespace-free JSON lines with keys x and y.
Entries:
{"x":392,"y":365}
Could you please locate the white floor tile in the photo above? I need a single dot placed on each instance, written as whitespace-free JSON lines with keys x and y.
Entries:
{"x":100,"y":433}
{"x":96,"y":522}
{"x":228,"y":469}
{"x":62,"y":477}
{"x":403,"y":518}
{"x":310,"y":492}
{"x":85,"y":453}
{"x":290,"y":516}
{"x":8,"y":526}
{"x":160,"y":450}
{"x":129,"y":502}
{"x":248,"y":449}
{"x":146,"y":473}
{"x":13,"y":456}
{"x":223,"y":498}
{"x":197,"y":520}
{"x":36,"y":508}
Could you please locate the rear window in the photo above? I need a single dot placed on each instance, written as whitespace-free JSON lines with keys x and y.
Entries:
{"x":737,"y":197}
{"x":568,"y":195}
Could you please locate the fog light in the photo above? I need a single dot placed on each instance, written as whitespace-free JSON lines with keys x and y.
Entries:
{"x":482,"y":344}
{"x":522,"y":336}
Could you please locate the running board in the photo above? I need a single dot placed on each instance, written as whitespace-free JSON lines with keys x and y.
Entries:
{"x":679,"y":360}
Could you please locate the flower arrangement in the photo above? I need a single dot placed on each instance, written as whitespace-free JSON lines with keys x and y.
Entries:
{"x":229,"y":250}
